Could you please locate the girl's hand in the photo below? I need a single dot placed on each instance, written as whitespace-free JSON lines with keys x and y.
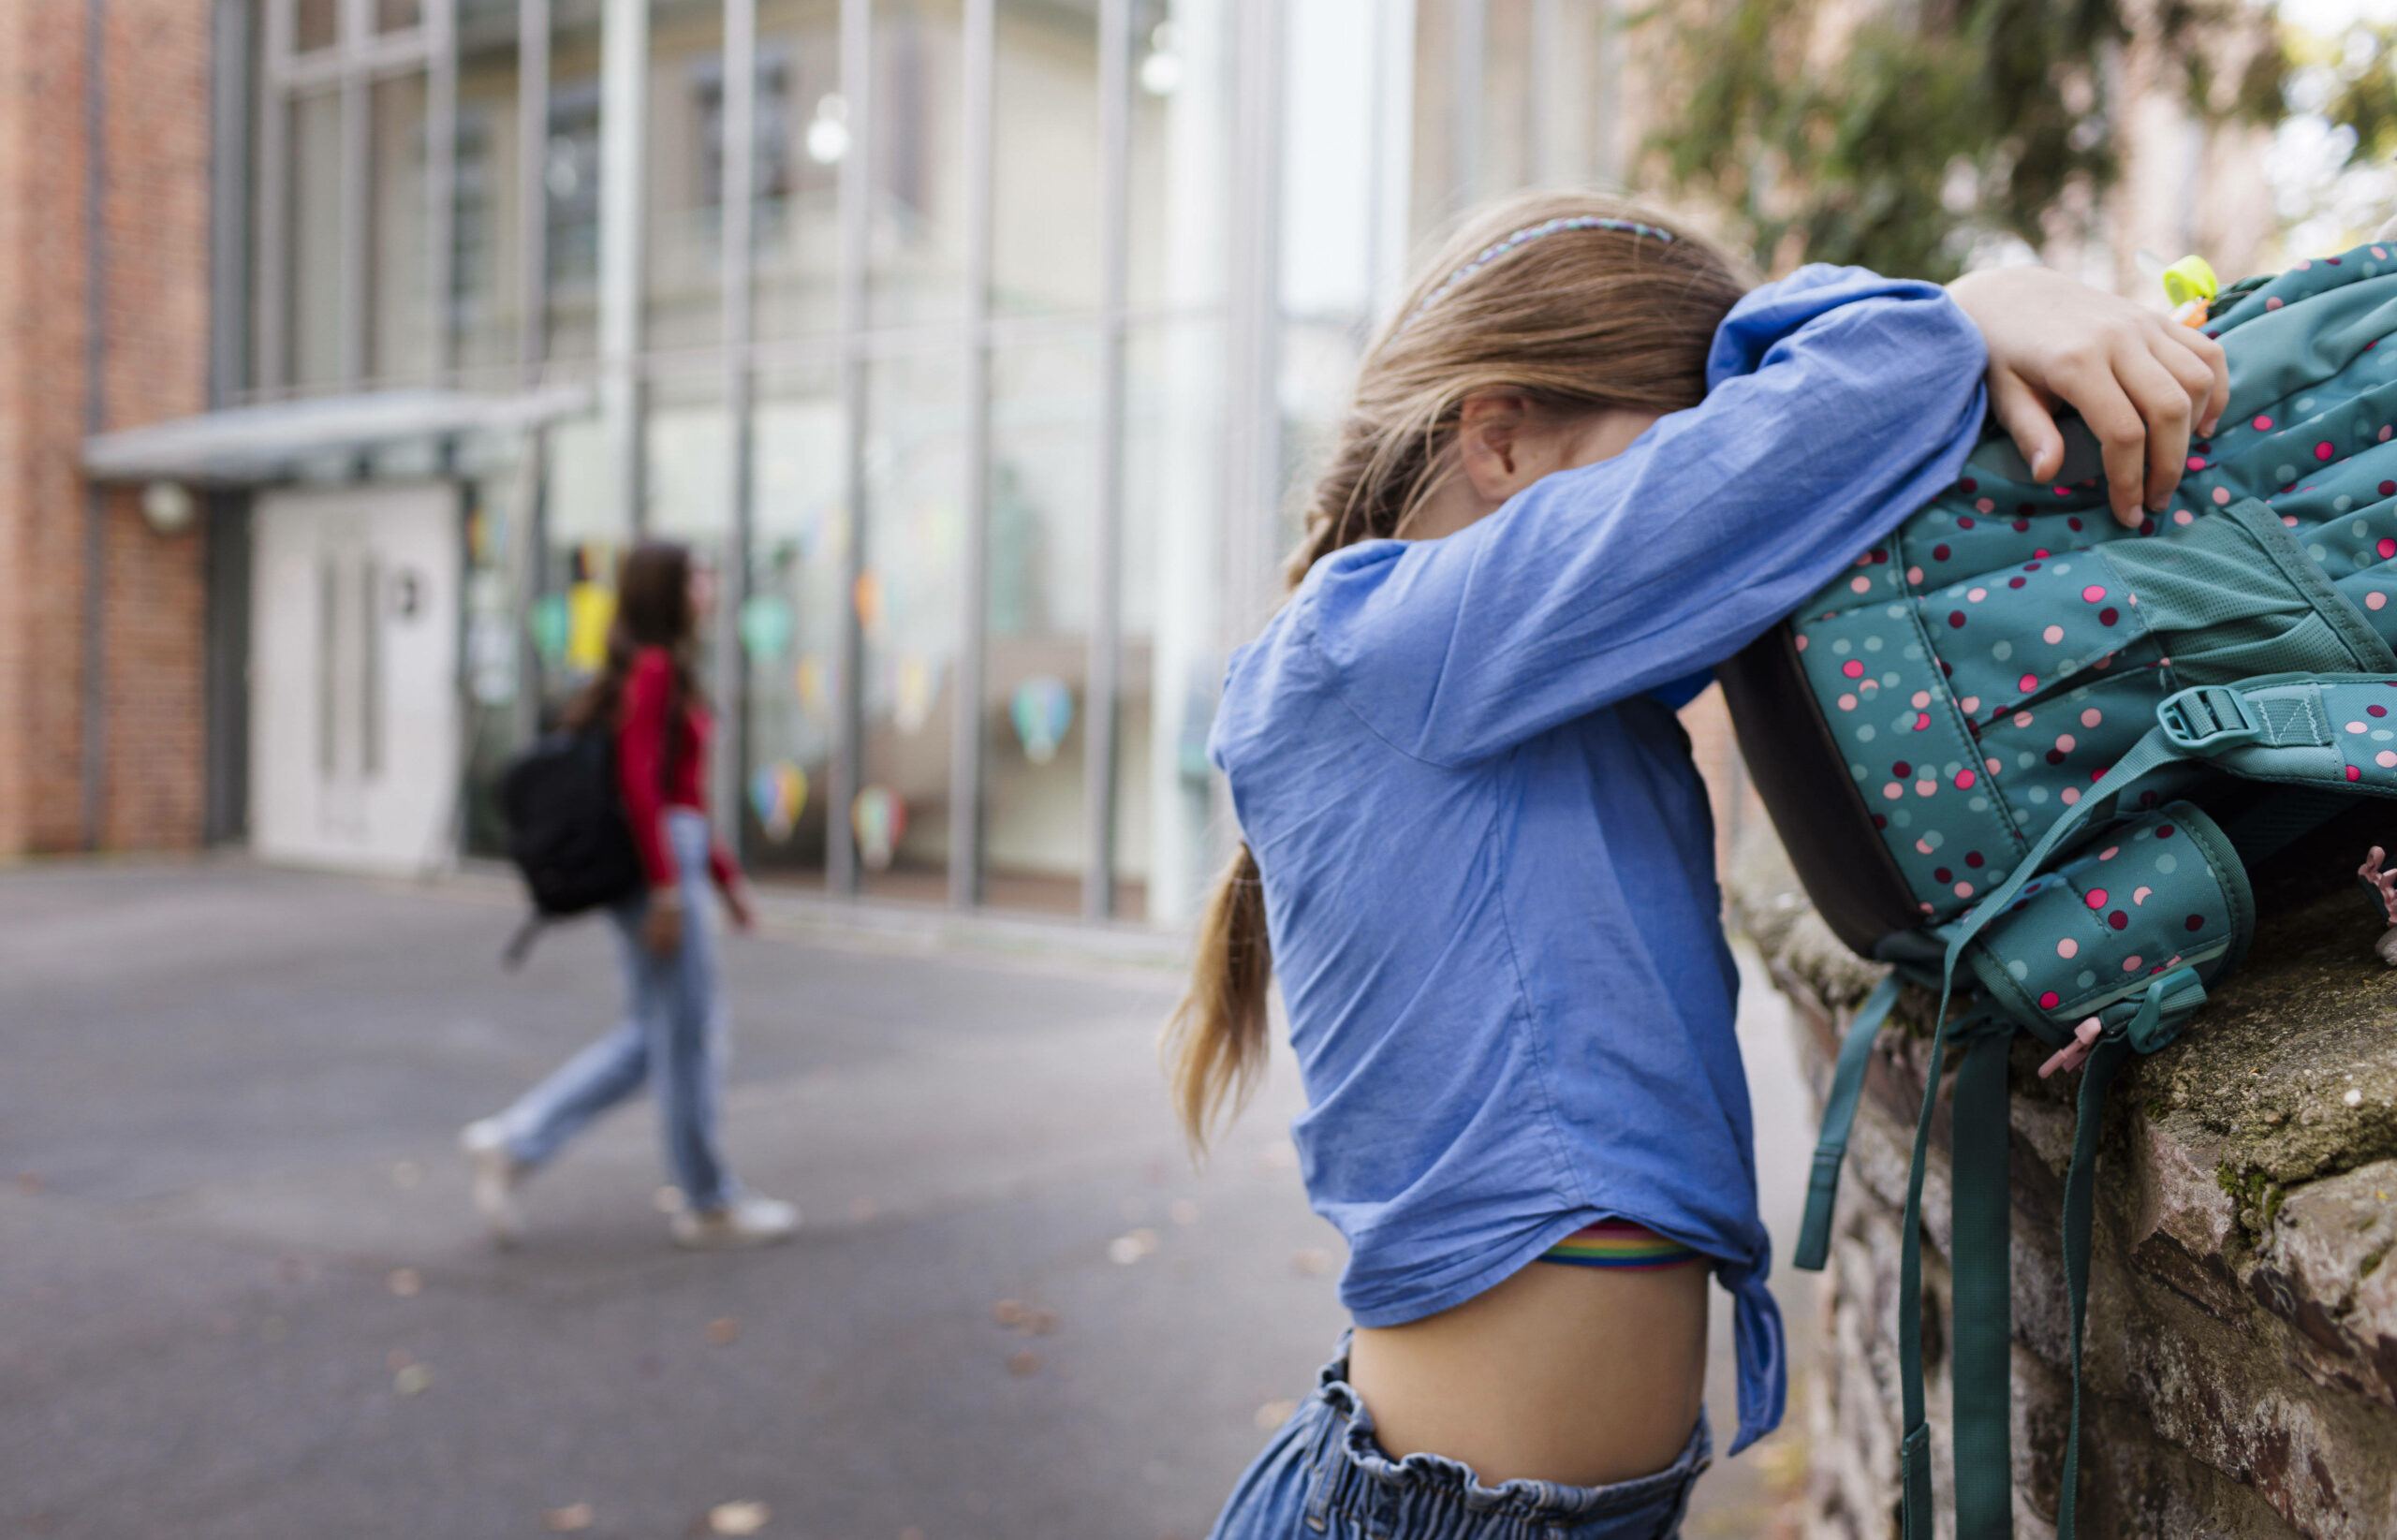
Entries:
{"x":2138,"y":379}
{"x":661,"y":928}
{"x":736,"y":903}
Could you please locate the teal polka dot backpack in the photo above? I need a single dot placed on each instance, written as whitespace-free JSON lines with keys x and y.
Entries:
{"x":2029,"y":756}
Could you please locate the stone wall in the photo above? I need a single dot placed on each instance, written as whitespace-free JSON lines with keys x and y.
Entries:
{"x":2241,"y":1377}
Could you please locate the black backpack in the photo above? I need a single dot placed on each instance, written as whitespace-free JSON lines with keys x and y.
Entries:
{"x":566,"y":829}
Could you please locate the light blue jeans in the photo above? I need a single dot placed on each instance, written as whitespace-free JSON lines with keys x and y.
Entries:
{"x":673,"y":1035}
{"x":1324,"y":1477}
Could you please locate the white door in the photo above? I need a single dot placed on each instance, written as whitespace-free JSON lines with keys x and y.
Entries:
{"x":354,"y":713}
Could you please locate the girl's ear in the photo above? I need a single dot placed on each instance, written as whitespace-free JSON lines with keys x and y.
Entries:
{"x":1490,"y":431}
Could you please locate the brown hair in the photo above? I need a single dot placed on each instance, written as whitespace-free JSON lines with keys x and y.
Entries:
{"x":653,"y":610}
{"x":1579,"y":319}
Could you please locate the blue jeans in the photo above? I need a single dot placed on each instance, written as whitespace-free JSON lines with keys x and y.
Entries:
{"x":1324,"y":1475}
{"x":673,"y":1034}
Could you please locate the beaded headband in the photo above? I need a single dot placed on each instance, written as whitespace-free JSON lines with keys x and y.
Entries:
{"x":1528,"y":234}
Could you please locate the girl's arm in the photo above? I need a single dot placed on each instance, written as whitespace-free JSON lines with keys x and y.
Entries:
{"x":641,"y":754}
{"x":730,"y":883}
{"x":1838,"y":402}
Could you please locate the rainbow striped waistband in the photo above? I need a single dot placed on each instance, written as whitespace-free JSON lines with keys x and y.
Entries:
{"x":1619,"y":1243}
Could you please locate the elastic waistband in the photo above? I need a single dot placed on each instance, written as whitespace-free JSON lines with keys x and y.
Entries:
{"x":1435,"y":1498}
{"x":1621,"y":1244}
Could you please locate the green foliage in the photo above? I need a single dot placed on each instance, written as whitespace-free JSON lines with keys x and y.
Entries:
{"x":1976,"y":115}
{"x":2363,"y":95}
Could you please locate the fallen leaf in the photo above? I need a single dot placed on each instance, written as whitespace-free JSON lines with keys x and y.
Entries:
{"x":1024,"y":1362}
{"x":666,"y":1200}
{"x":1039,"y":1323}
{"x":412,"y":1380}
{"x":724,"y":1331}
{"x":1007,"y":1313}
{"x":29,"y":1182}
{"x":1129,"y":1247}
{"x":565,"y":1520}
{"x":737,"y":1517}
{"x":397,"y":1359}
{"x":404,"y":1174}
{"x":406,"y":1282}
{"x":1274,"y":1414}
{"x":1311,"y":1262}
{"x":861,"y":1209}
{"x":1183,"y":1212}
{"x":291,"y":1270}
{"x":274,"y":1328}
{"x":911,"y":1534}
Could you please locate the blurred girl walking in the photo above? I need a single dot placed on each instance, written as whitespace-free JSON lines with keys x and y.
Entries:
{"x":1585,"y":462}
{"x":674,"y":1026}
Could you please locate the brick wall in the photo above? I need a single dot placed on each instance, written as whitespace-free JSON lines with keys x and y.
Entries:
{"x":157,"y":66}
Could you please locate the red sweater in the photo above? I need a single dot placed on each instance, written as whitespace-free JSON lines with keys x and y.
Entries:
{"x":640,"y":766}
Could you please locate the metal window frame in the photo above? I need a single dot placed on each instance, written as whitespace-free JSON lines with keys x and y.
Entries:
{"x":358,"y":58}
{"x":624,"y":153}
{"x":845,"y":773}
{"x":1102,"y":674}
{"x":737,"y":200}
{"x":1250,"y":311}
{"x":272,"y":336}
{"x":532,"y":24}
{"x":979,"y":122}
{"x":441,"y":182}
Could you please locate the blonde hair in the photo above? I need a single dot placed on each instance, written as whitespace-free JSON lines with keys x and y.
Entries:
{"x":1612,"y":305}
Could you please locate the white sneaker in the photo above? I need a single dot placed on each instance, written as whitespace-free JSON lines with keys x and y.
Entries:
{"x":496,"y":1174}
{"x":747,"y":1220}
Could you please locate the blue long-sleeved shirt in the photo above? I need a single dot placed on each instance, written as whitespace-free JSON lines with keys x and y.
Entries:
{"x":1488,"y":860}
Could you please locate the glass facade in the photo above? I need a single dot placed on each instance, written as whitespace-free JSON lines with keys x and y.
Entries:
{"x":981,"y":348}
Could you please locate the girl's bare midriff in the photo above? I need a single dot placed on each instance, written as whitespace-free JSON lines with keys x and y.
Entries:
{"x":1578,"y":1376}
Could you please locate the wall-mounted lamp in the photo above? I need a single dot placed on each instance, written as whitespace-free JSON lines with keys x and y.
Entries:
{"x":828,"y":132}
{"x":1161,"y":67}
{"x":167,"y":507}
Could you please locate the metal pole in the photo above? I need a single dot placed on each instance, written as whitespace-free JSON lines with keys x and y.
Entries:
{"x":228,"y":343}
{"x":229,"y":202}
{"x":356,"y":169}
{"x":95,"y":417}
{"x":847,"y":761}
{"x":1104,"y":671}
{"x":623,"y":80}
{"x":737,"y":199}
{"x":273,"y":337}
{"x":965,"y":747}
{"x":1253,"y":413}
{"x":1469,"y":23}
{"x":532,"y":186}
{"x":441,"y":178}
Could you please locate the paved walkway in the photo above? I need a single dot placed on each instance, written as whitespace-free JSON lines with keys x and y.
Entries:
{"x":240,"y":1296}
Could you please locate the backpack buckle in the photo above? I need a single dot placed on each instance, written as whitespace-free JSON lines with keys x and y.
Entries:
{"x":2207,"y":717}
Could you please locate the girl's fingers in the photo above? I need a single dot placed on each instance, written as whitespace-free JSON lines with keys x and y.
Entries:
{"x":2025,"y":416}
{"x":2165,"y":409}
{"x":2206,"y":354}
{"x":2097,"y":394}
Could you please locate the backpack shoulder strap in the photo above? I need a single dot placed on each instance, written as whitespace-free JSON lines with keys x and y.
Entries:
{"x":1839,"y":1118}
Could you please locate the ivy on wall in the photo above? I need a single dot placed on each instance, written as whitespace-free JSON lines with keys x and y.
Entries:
{"x":1924,"y":125}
